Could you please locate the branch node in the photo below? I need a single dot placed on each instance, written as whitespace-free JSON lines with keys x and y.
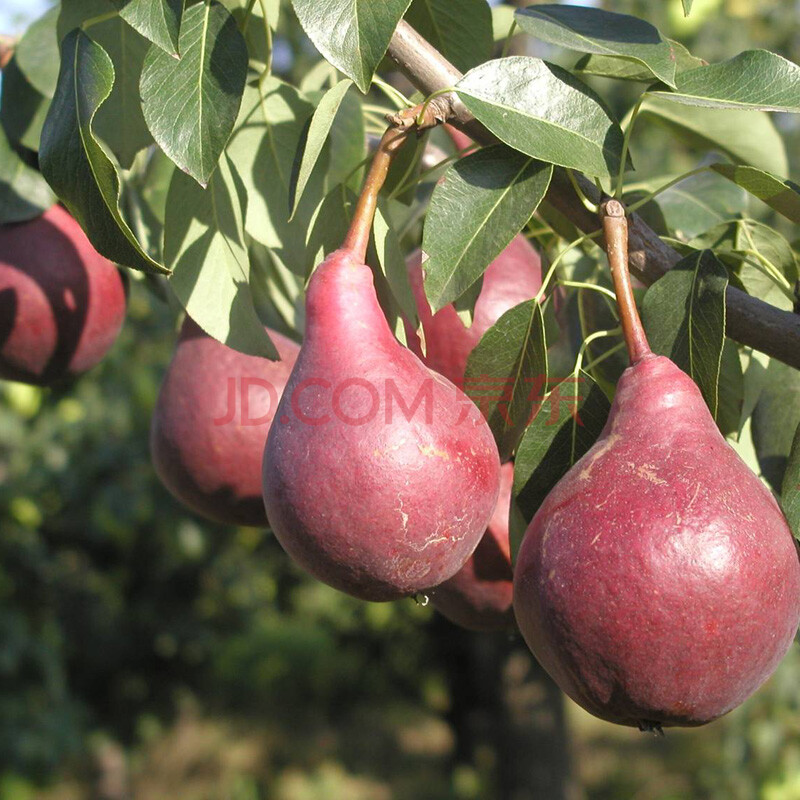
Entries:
{"x":429,"y":114}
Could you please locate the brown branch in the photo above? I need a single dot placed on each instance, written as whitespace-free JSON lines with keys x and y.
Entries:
{"x":749,"y":320}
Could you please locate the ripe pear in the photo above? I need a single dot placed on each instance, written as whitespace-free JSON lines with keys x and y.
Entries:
{"x":379,"y":475}
{"x":478,"y":597}
{"x":658,"y":583}
{"x":62,"y":304}
{"x":513,"y":277}
{"x":211,"y":421}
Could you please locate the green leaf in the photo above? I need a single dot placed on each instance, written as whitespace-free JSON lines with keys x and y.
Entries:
{"x":37,"y":53}
{"x":204,"y":245}
{"x":328,"y":225}
{"x":24,"y":194}
{"x":480,"y":205}
{"x":119,"y":121}
{"x":277,"y":292}
{"x":75,"y":165}
{"x":157,"y":20}
{"x":781,"y":195}
{"x":517,"y":524}
{"x":790,"y":491}
{"x":271,"y":7}
{"x":392,"y":261}
{"x":73,"y":13}
{"x":317,"y":135}
{"x":544,"y":112}
{"x":627,"y":70}
{"x":684,"y":315}
{"x":731,"y":390}
{"x":745,"y":236}
{"x":567,"y":425}
{"x":386,"y":297}
{"x":352,"y":34}
{"x":687,"y":7}
{"x":506,"y":373}
{"x":263,"y":149}
{"x":775,"y":419}
{"x":592,"y":30}
{"x":22,"y":109}
{"x":754,"y":376}
{"x":461,"y":32}
{"x":502,"y":19}
{"x":405,"y":169}
{"x":254,"y":30}
{"x":747,"y":137}
{"x":273,"y":10}
{"x":348,"y":143}
{"x":755,"y":80}
{"x":691,"y":207}
{"x":191,"y":105}
{"x":316,"y":78}
{"x":150,"y":190}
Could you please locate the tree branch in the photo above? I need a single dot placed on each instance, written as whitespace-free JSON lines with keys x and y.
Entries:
{"x":749,"y":320}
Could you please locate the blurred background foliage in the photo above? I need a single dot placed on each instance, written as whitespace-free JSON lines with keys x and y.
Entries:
{"x":147,"y":654}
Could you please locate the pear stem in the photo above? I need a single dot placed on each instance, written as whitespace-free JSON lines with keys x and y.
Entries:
{"x":615,"y":228}
{"x":357,"y":237}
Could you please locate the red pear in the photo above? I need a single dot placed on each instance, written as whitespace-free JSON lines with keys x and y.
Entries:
{"x":658,"y":583}
{"x":380,"y":476}
{"x":211,"y":421}
{"x":62,"y":304}
{"x":513,"y":277}
{"x":459,"y":139}
{"x":478,"y":597}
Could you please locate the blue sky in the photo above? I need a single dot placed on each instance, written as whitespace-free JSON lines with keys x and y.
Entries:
{"x":16,"y":14}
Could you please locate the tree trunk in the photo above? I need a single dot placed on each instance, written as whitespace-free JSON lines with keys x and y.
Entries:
{"x":506,"y":711}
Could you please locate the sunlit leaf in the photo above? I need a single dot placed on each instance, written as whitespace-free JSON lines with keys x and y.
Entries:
{"x":317,"y":135}
{"x":593,"y":30}
{"x":204,"y":245}
{"x":545,"y":112}
{"x":191,"y":104}
{"x":782,"y":195}
{"x":475,"y":211}
{"x":352,"y":34}
{"x":684,"y":316}
{"x":755,"y":80}
{"x":156,"y":20}
{"x":73,"y":162}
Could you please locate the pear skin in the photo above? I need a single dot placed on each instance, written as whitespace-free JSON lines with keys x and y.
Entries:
{"x":379,"y":475}
{"x":210,"y":423}
{"x":62,"y":304}
{"x":658,"y":583}
{"x":478,"y":597}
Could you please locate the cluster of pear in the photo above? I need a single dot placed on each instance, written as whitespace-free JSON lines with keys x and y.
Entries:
{"x":658,"y":583}
{"x":370,"y":453}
